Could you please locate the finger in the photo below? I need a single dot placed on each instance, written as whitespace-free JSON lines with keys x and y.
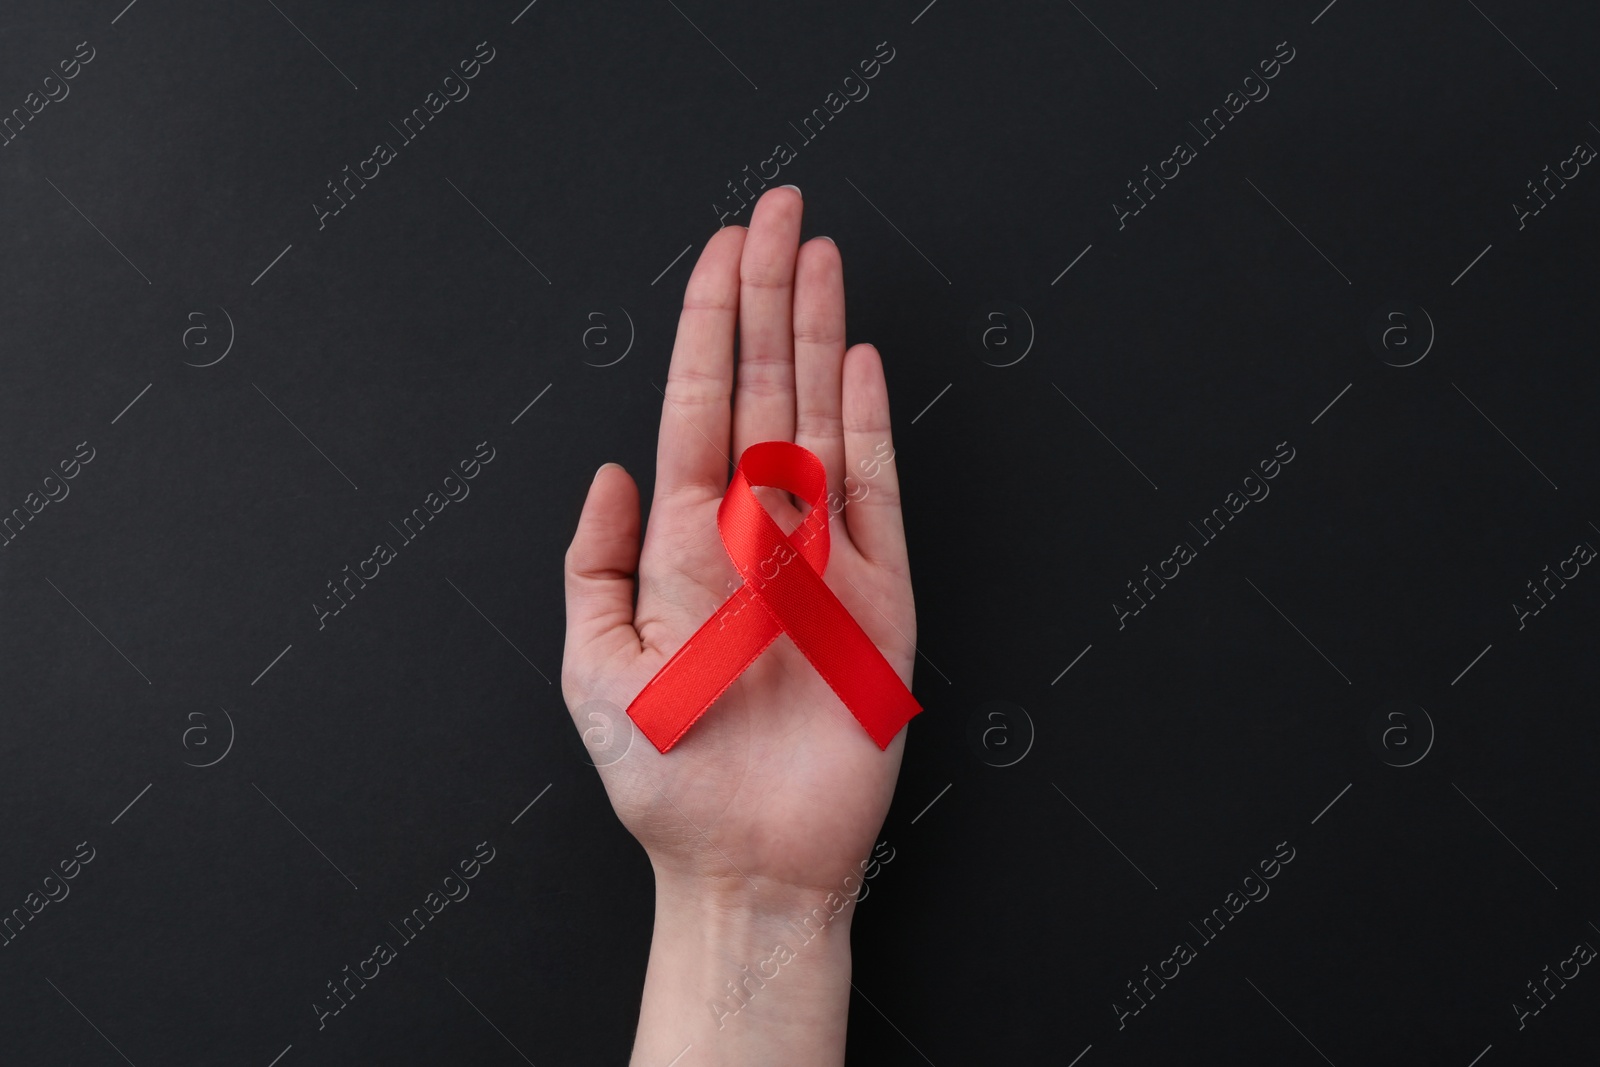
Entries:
{"x":819,"y":355}
{"x":872,"y":488}
{"x":599,"y":568}
{"x":692,"y":448}
{"x":763,"y":396}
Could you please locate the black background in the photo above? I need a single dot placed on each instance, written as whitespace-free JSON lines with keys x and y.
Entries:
{"x":457,"y":287}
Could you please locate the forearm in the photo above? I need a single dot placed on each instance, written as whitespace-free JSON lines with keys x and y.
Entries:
{"x":745,"y":976}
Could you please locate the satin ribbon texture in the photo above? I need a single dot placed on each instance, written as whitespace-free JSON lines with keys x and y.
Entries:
{"x":783,"y":593}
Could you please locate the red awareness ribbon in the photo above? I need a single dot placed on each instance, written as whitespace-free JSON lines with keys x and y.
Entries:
{"x":783,"y":592}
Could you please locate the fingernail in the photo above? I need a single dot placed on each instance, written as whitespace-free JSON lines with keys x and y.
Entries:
{"x":828,"y":239}
{"x":796,"y":189}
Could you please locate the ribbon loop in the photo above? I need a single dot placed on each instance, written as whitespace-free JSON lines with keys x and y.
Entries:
{"x":783,"y":592}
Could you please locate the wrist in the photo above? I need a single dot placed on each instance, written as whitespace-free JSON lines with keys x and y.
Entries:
{"x":738,"y":902}
{"x":741,"y":967}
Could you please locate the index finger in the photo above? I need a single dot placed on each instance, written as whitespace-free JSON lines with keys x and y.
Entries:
{"x":692,"y":447}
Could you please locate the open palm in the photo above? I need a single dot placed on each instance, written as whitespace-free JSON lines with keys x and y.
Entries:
{"x":777,"y":784}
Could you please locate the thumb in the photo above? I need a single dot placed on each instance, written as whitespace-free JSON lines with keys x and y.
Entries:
{"x":599,"y":569}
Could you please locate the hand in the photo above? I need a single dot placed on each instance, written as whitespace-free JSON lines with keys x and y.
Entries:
{"x":774,"y":797}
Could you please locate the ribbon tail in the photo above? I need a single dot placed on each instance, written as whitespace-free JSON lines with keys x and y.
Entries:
{"x":701,"y":671}
{"x":836,"y":646}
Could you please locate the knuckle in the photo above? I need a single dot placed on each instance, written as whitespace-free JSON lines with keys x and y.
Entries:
{"x":762,"y":386}
{"x":765,"y":273}
{"x":819,"y":422}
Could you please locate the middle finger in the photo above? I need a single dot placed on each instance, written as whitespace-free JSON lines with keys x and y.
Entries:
{"x":763,"y":399}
